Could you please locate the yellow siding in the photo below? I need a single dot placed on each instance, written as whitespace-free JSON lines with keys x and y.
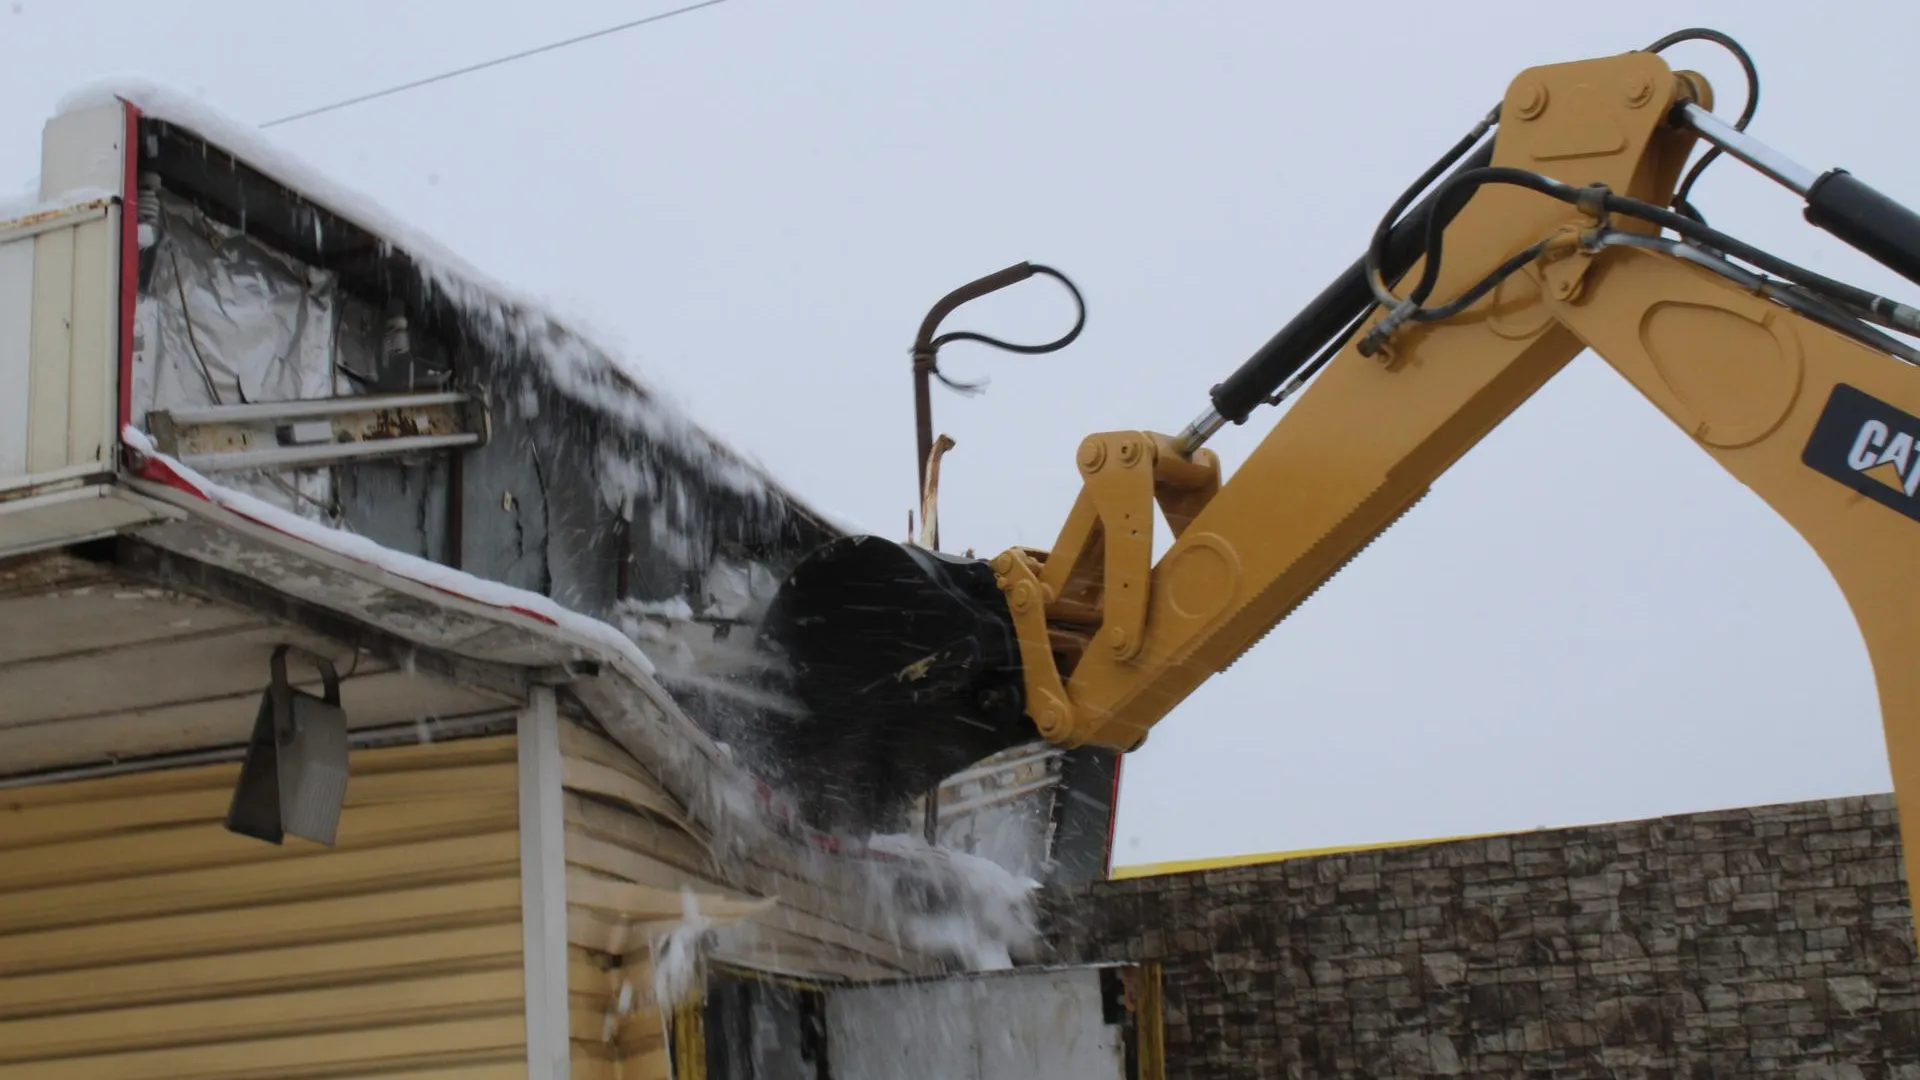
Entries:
{"x":631,"y":857}
{"x":139,"y":940}
{"x":629,"y":853}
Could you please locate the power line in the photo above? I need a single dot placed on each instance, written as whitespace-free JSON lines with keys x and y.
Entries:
{"x":471,"y":68}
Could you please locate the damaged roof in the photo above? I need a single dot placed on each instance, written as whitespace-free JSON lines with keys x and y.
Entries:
{"x":595,"y":514}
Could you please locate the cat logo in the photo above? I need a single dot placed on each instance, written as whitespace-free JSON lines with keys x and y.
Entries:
{"x":1886,"y":456}
{"x":1869,"y":446}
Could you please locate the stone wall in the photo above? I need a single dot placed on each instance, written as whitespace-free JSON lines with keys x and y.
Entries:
{"x":1761,"y":942}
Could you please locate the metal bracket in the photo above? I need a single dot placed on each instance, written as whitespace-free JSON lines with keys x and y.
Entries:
{"x":321,"y":431}
{"x":1117,"y":468}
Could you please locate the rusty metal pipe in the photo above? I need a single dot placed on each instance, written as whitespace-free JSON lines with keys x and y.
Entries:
{"x":925,"y":350}
{"x":926,"y":346}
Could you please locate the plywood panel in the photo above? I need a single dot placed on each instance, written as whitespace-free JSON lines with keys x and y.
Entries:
{"x":91,"y":618}
{"x":46,"y":571}
{"x":194,"y":666}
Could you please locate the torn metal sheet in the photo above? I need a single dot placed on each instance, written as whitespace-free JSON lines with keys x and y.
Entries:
{"x":224,"y":320}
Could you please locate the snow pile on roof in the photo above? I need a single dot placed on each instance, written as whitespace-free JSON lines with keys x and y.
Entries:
{"x":360,"y":549}
{"x":580,"y":366}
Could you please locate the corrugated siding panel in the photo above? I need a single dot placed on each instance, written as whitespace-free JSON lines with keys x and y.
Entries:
{"x":623,"y":829}
{"x":139,"y":940}
{"x":630,"y":854}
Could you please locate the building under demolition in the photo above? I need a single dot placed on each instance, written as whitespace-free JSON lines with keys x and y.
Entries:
{"x":377,"y":699}
{"x":376,"y":685}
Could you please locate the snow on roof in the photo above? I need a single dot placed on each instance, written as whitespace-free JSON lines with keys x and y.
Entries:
{"x":583,"y":368}
{"x":360,"y":549}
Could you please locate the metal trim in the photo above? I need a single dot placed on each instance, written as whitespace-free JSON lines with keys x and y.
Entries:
{"x":543,"y":900}
{"x":289,"y":456}
{"x":288,"y":410}
{"x":47,"y":221}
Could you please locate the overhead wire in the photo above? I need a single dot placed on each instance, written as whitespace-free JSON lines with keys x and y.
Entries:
{"x":495,"y":62}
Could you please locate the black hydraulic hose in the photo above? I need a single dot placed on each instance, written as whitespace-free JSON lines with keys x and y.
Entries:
{"x":1458,"y":188}
{"x":1341,"y":303}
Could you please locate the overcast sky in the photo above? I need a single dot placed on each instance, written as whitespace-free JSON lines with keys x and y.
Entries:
{"x":1586,"y":621}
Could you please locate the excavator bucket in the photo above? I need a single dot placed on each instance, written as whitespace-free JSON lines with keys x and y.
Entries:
{"x":907,"y":667}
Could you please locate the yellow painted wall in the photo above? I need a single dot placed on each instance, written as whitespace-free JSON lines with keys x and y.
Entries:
{"x":1188,"y":866}
{"x":139,"y":940}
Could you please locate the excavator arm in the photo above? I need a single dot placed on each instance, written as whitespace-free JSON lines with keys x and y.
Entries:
{"x":1369,"y":434}
{"x":1551,"y":245}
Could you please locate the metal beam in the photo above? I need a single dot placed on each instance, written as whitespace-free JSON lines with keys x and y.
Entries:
{"x":319,"y":431}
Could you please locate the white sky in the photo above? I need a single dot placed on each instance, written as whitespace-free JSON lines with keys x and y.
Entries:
{"x":1586,"y":620}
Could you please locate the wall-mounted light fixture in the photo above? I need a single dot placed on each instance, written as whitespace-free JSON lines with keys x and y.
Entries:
{"x":294,"y":777}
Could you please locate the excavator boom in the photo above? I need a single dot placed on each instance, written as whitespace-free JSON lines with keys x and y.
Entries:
{"x":1549,"y":241}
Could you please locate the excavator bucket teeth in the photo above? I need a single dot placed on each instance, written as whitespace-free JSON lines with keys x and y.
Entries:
{"x":907,"y":667}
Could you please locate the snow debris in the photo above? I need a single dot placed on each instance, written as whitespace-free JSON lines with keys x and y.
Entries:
{"x":506,"y":320}
{"x":674,"y":609}
{"x":963,"y":908}
{"x":411,"y":567}
{"x":676,"y":954}
{"x":641,"y":621}
{"x":739,"y":591}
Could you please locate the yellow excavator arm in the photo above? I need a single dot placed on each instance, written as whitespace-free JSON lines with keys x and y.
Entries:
{"x":1549,"y":240}
{"x":1822,"y":421}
